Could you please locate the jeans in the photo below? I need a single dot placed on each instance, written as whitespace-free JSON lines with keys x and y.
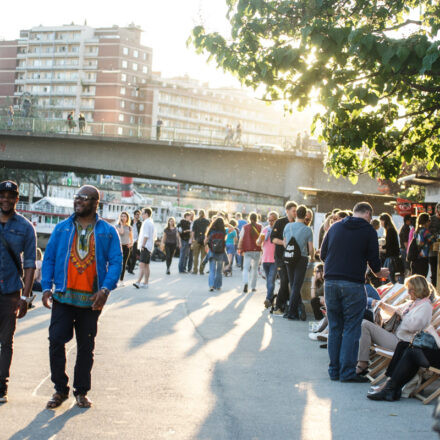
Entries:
{"x":270,"y":269}
{"x":250,"y":261}
{"x":190,"y":260}
{"x":239,"y":260}
{"x":198,"y":251}
{"x":283,"y":291}
{"x":183,"y":258}
{"x":346,"y":302}
{"x":8,"y":319}
{"x":389,"y":263}
{"x":64,"y":320}
{"x":296,"y":276}
{"x":125,"y":256}
{"x":170,"y":249}
{"x":215,"y":270}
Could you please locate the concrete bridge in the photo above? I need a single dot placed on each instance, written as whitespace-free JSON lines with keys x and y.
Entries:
{"x":275,"y":173}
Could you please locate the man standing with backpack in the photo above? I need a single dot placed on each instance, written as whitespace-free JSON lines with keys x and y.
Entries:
{"x":215,"y":240}
{"x":198,"y":233}
{"x":251,"y":251}
{"x":298,"y":241}
{"x":17,"y":236}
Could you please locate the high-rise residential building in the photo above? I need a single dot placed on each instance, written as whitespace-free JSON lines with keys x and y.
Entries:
{"x":188,"y":107}
{"x":100,"y":72}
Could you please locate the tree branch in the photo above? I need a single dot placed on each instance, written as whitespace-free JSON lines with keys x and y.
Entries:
{"x":401,"y":25}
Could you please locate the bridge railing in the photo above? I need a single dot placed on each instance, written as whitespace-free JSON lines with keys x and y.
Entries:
{"x":202,"y":136}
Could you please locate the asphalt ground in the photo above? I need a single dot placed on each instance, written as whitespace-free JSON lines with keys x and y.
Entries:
{"x":176,"y":361}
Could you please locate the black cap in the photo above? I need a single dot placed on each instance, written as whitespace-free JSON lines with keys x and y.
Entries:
{"x":9,"y":185}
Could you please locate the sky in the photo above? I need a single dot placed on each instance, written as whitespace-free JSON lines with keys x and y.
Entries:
{"x":167,"y":25}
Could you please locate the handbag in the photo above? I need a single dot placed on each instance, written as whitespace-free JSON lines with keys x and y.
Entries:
{"x":392,"y":324}
{"x":424,"y":340}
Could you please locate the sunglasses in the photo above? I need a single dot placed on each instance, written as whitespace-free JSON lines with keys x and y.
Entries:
{"x":83,"y":197}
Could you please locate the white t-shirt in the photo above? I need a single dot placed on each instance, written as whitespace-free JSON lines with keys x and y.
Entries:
{"x":147,"y":230}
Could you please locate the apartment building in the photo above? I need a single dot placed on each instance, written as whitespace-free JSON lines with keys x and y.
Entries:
{"x":187,"y":106}
{"x":94,"y":71}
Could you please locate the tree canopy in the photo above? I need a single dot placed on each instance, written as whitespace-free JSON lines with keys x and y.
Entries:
{"x":373,"y":66}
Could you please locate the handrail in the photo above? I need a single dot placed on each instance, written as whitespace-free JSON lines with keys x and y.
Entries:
{"x":262,"y":142}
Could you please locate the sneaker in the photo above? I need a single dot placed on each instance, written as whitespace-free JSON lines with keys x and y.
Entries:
{"x":267,"y":303}
{"x":168,"y":272}
{"x":313,"y":336}
{"x":211,"y":289}
{"x":245,"y":288}
{"x":143,"y":286}
{"x":254,"y":290}
{"x":322,"y":337}
{"x":278,"y":312}
{"x":3,"y":397}
{"x":137,"y":285}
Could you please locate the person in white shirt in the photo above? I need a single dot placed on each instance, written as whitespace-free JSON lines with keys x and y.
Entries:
{"x":146,"y":239}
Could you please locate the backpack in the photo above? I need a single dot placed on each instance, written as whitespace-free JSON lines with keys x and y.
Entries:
{"x":292,"y":253}
{"x":217,"y":243}
{"x":413,"y":250}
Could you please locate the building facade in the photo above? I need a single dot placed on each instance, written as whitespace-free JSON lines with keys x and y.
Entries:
{"x":93,"y":71}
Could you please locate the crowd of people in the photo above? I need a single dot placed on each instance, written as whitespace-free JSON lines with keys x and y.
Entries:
{"x":354,"y":255}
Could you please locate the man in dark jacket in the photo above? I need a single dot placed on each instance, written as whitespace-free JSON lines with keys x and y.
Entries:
{"x":348,"y":247}
{"x":134,"y":255}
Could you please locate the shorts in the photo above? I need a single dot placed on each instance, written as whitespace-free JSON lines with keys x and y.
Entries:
{"x":230,"y":249}
{"x":145,"y":256}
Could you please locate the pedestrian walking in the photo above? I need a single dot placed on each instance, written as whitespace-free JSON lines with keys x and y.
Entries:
{"x":299,"y":234}
{"x":17,"y":237}
{"x":240,"y":223}
{"x":424,"y":238}
{"x":404,"y":239}
{"x":277,"y":238}
{"x":348,"y":247}
{"x":268,"y":259}
{"x":134,"y":254}
{"x":215,"y":240}
{"x":229,"y":136}
{"x":170,"y":242}
{"x":10,"y":121}
{"x":391,"y":249}
{"x":83,"y":260}
{"x":231,"y":245}
{"x":184,"y":229}
{"x":81,"y":123}
{"x":125,"y":232}
{"x":248,"y":247}
{"x":198,"y":234}
{"x":146,"y":239}
{"x":189,"y":264}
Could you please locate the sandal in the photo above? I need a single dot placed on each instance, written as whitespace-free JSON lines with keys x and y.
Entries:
{"x":83,"y":401}
{"x":56,"y":400}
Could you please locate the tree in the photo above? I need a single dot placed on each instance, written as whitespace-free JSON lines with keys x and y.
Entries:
{"x":43,"y":179}
{"x":373,"y":68}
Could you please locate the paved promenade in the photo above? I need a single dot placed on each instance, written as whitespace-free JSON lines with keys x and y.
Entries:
{"x":176,"y":362}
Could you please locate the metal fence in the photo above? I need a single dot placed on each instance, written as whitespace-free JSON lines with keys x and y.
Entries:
{"x":221,"y":138}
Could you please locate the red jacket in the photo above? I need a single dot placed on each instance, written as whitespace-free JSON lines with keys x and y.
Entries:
{"x":250,"y":236}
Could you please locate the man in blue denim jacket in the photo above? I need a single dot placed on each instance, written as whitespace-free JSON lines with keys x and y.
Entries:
{"x":83,"y":259}
{"x":19,"y":236}
{"x":348,"y":247}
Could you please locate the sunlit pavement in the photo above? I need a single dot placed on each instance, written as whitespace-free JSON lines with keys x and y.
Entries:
{"x":177,"y":362}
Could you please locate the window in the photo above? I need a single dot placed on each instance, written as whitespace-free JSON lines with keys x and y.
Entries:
{"x":124,"y":77}
{"x":135,"y":53}
{"x":125,"y":50}
{"x":122,"y":104}
{"x":119,"y":130}
{"x":121,"y":117}
{"x":141,"y":107}
{"x":124,"y":64}
{"x":135,"y":66}
{"x":144,"y":69}
{"x":132,"y":120}
{"x":144,"y":56}
{"x":122,"y":90}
